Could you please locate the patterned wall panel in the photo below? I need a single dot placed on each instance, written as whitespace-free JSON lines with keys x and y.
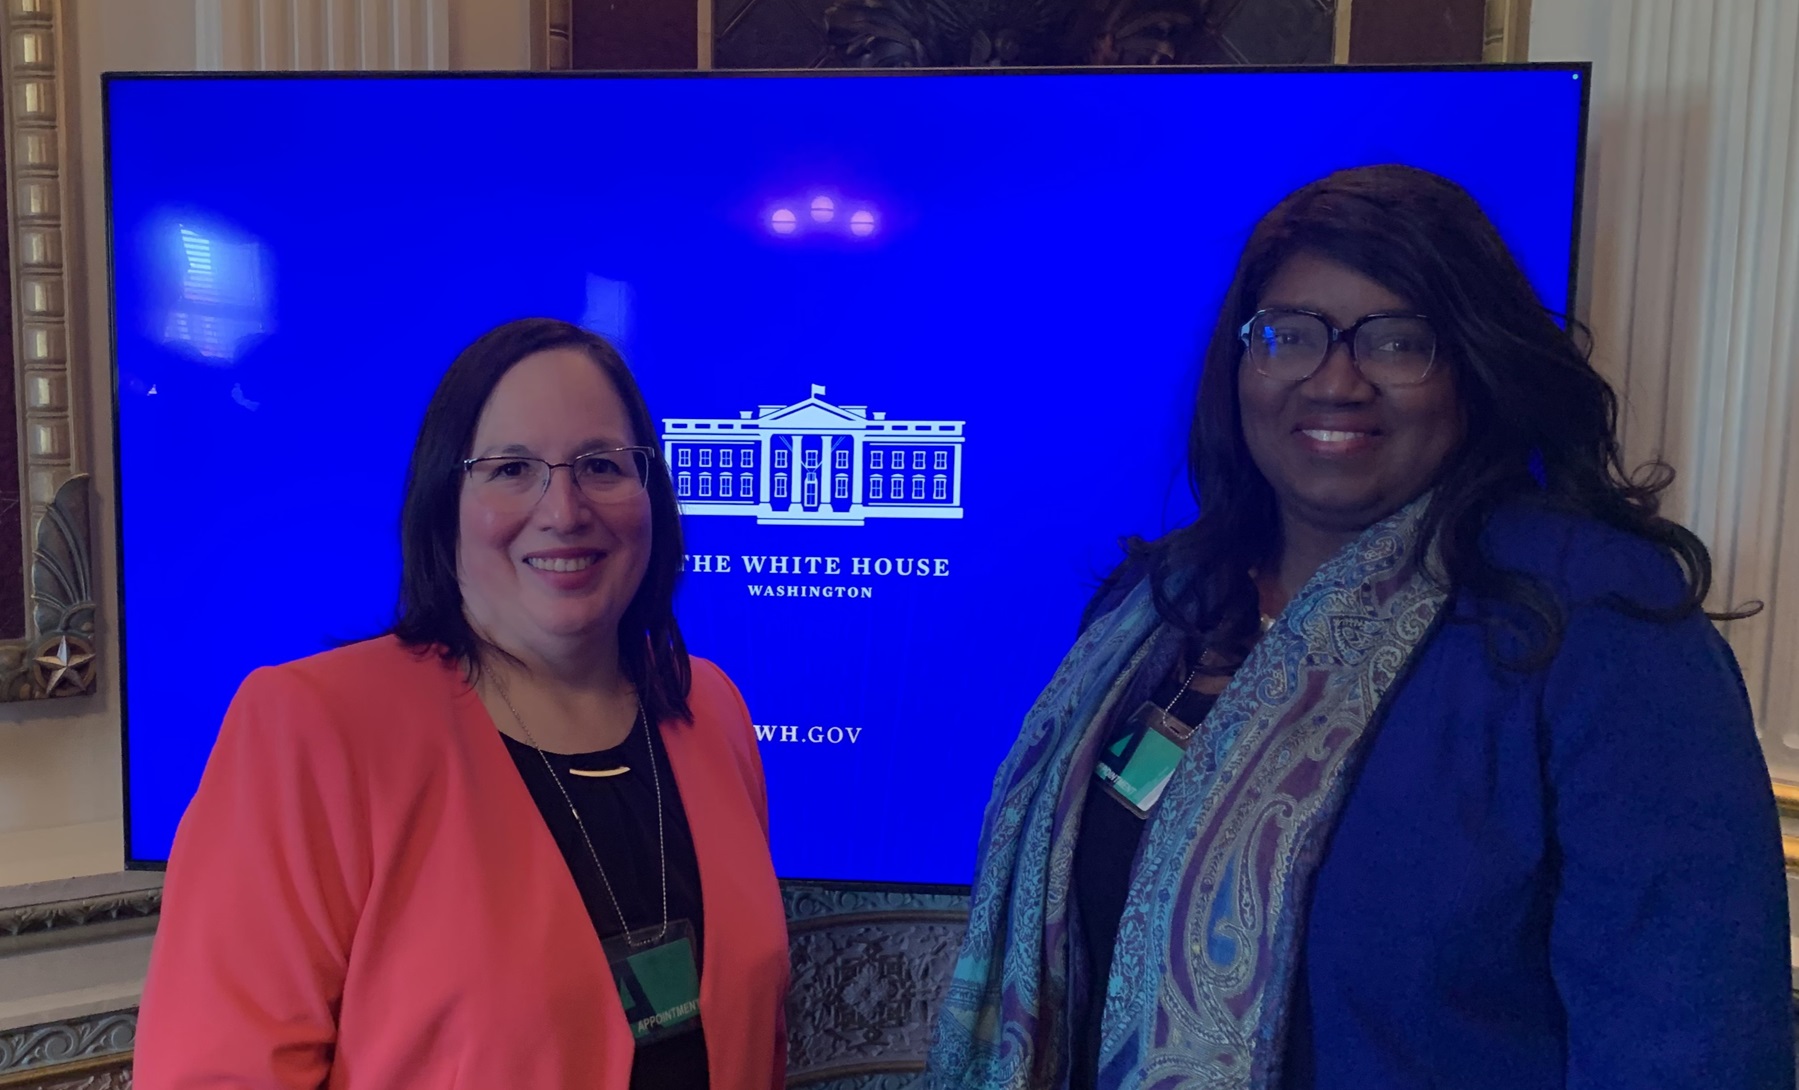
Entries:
{"x":869,"y":969}
{"x":1267,"y":32}
{"x":829,"y":33}
{"x":770,"y":34}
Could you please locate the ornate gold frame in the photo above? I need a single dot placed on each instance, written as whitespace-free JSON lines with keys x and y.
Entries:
{"x":1786,"y":797}
{"x":57,"y":655}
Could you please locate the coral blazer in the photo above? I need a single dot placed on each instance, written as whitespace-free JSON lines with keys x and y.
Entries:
{"x":364,"y":895}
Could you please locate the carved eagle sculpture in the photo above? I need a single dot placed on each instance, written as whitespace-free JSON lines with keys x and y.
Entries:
{"x":1005,"y":33}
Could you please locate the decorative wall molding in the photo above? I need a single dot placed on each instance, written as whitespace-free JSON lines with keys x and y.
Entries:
{"x":865,"y":993}
{"x":56,"y":657}
{"x":37,"y":189}
{"x":870,"y":967}
{"x":1693,"y":272}
{"x":67,"y":1053}
{"x":62,"y":918}
{"x":111,"y":1073}
{"x":815,"y":900}
{"x":888,"y":1081}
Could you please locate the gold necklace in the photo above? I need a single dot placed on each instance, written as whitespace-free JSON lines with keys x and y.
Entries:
{"x":661,"y":842}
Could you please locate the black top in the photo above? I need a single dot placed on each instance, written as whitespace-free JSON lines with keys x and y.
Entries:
{"x":1105,"y":852}
{"x":620,"y":815}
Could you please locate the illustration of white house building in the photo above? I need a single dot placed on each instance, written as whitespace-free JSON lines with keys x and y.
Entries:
{"x":814,"y":463}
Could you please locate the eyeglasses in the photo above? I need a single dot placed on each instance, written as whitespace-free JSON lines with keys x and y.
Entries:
{"x":518,"y":482}
{"x":1388,"y":349}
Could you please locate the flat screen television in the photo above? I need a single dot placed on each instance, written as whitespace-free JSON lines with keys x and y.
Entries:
{"x":922,"y":348}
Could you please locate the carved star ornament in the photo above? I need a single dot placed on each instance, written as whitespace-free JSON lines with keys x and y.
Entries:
{"x":63,"y":667}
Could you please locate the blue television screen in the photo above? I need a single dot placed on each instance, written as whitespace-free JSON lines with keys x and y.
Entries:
{"x":922,"y":349}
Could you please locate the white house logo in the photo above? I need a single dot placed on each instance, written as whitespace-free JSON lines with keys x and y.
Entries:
{"x":815,"y":463}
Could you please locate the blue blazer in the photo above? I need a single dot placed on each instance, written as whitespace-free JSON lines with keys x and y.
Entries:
{"x":1566,"y":878}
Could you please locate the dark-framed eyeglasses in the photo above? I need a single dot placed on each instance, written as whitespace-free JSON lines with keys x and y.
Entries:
{"x":1388,"y":349}
{"x":518,"y":481}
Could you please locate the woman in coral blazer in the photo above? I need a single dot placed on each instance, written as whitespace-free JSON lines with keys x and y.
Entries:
{"x":513,"y":842}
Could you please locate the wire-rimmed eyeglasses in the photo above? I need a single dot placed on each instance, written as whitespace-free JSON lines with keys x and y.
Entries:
{"x":1388,"y":349}
{"x":519,"y":480}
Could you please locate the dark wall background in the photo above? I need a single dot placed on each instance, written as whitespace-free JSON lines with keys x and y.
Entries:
{"x":1397,"y":31}
{"x":627,"y":34}
{"x":663,"y":34}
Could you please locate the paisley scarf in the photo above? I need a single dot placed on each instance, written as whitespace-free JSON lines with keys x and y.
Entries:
{"x":1211,"y":931}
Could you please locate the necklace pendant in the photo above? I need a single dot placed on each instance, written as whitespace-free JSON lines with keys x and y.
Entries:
{"x":574,"y":811}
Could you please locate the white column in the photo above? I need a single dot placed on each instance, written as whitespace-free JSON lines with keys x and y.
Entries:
{"x":1691,"y":282}
{"x":765,"y":480}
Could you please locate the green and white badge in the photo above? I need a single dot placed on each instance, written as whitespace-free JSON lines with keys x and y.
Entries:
{"x":1137,"y":765}
{"x":658,"y":985}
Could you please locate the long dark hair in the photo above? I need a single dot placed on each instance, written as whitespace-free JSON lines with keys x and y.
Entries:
{"x":1541,"y":422}
{"x":651,"y":652}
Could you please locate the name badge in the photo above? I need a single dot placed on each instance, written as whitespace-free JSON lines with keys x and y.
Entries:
{"x":659,"y":986}
{"x":1137,"y":766}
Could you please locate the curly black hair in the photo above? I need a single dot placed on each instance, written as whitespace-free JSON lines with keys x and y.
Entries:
{"x":1541,"y":422}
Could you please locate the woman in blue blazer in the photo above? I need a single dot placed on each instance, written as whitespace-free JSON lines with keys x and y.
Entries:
{"x":1414,"y":761}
